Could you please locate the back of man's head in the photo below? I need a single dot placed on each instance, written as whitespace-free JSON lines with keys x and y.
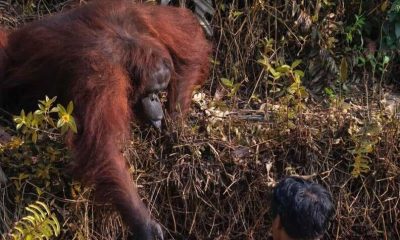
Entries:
{"x":304,"y":208}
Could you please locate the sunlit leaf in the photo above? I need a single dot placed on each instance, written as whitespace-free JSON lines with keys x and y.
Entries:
{"x":296,"y":63}
{"x":227,"y":82}
{"x":299,"y":73}
{"x":70,"y":107}
{"x":283,"y":69}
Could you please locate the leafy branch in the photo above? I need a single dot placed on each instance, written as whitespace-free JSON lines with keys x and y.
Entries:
{"x":39,"y":224}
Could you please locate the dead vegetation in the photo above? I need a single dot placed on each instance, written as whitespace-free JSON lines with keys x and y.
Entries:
{"x":253,"y":123}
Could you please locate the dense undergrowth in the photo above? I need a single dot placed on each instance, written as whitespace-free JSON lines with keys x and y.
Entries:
{"x":296,"y":88}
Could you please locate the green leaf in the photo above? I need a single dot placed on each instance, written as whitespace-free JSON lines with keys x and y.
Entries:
{"x":214,"y":62}
{"x":264,"y":62}
{"x":60,"y":123}
{"x":296,"y":63}
{"x":293,"y":88}
{"x":39,"y":191}
{"x":32,"y":218}
{"x":34,"y":137}
{"x":386,"y":60}
{"x":274,"y":73}
{"x":64,"y":129}
{"x":237,"y":13}
{"x":72,"y":125}
{"x":19,"y":229}
{"x":329,"y":91}
{"x":61,"y":109}
{"x":227,"y":82}
{"x":45,"y":207}
{"x":41,"y":107}
{"x":38,"y":112}
{"x":283,"y":69}
{"x":70,"y":107}
{"x":19,"y":125}
{"x":299,"y":73}
{"x":234,"y":89}
{"x":39,"y":224}
{"x":35,"y":209}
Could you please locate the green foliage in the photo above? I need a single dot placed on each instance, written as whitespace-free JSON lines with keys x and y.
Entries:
{"x":29,"y":7}
{"x":233,"y":141}
{"x":33,"y":161}
{"x":39,"y":224}
{"x":286,"y":83}
{"x":391,"y":29}
{"x":37,"y":153}
{"x":33,"y":124}
{"x":337,"y":100}
{"x":66,"y":121}
{"x":330,"y":92}
{"x":365,"y":139}
{"x":233,"y":87}
{"x":395,"y":7}
{"x":378,"y":63}
{"x":355,"y":28}
{"x":14,"y":143}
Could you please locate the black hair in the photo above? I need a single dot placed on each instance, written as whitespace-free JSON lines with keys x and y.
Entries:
{"x":305,"y":208}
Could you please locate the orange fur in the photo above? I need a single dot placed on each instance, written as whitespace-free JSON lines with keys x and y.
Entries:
{"x":101,"y":57}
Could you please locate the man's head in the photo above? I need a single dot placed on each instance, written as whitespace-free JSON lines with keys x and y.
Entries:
{"x":301,"y":210}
